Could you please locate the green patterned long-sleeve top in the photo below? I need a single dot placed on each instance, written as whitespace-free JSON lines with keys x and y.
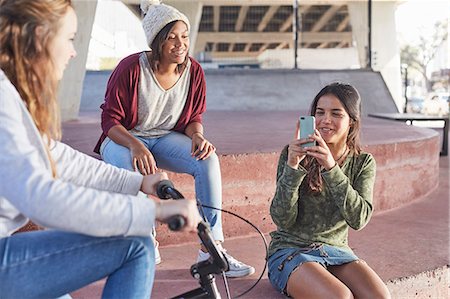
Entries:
{"x":304,"y":218}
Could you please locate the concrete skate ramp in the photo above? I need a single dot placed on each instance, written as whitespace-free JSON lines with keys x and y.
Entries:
{"x":282,"y":90}
{"x":266,"y":90}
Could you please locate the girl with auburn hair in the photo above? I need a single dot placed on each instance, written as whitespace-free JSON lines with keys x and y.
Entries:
{"x":322,"y":191}
{"x":99,"y":227}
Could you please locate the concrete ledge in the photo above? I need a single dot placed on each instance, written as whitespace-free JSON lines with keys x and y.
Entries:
{"x":428,"y":284}
{"x":249,"y":143}
{"x":406,"y":156}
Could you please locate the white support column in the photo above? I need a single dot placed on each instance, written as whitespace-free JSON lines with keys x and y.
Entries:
{"x":358,"y":11}
{"x":193,"y":11}
{"x":71,"y":86}
{"x":385,"y":50}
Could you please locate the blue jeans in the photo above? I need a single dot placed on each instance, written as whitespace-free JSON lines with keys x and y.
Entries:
{"x":50,"y":264}
{"x":172,"y":152}
{"x":284,"y":261}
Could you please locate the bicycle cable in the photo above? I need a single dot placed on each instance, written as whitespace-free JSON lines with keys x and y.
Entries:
{"x":260,"y":233}
{"x":225,"y":283}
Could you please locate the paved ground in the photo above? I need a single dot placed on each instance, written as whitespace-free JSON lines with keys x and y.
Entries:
{"x":407,"y":246}
{"x":402,"y":243}
{"x":409,"y":243}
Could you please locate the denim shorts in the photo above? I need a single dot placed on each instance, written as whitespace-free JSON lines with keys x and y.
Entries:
{"x":284,"y":261}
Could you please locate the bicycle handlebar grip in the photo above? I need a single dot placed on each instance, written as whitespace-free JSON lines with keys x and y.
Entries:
{"x":166,"y":190}
{"x":176,"y":223}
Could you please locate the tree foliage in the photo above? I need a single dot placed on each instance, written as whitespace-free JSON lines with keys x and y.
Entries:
{"x":419,"y":55}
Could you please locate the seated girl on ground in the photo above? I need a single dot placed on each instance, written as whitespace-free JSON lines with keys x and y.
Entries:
{"x":322,"y":191}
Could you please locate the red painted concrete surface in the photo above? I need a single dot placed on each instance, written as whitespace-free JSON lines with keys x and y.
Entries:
{"x":249,"y":143}
{"x":408,"y":235}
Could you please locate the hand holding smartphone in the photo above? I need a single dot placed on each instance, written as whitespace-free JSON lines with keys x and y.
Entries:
{"x":307,"y":127}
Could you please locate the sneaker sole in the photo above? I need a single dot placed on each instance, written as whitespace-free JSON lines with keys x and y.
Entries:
{"x":158,"y":261}
{"x":237,"y":274}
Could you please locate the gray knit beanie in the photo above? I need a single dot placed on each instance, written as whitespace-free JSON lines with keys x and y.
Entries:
{"x":158,"y":15}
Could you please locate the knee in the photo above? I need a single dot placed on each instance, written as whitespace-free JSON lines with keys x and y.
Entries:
{"x":342,"y":292}
{"x":211,"y":161}
{"x":142,"y":247}
{"x":386,"y":295}
{"x":381,"y":292}
{"x":117,"y":155}
{"x":209,"y":165}
{"x":145,"y":242}
{"x":331,"y":291}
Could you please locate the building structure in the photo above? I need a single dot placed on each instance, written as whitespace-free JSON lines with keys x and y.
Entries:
{"x":334,"y":34}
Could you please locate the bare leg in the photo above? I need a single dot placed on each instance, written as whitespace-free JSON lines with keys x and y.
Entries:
{"x":311,"y":280}
{"x":361,"y":280}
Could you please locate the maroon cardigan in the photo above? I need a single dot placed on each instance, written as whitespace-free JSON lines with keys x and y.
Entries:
{"x":121,"y":98}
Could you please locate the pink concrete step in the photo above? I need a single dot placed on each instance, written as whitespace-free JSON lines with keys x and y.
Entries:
{"x":249,"y":143}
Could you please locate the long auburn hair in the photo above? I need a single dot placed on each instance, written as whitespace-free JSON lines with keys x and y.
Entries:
{"x":351,"y":101}
{"x":26,"y":61}
{"x":157,"y":45}
{"x":25,"y":57}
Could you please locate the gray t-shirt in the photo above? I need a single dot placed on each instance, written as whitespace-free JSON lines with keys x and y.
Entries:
{"x":159,"y":109}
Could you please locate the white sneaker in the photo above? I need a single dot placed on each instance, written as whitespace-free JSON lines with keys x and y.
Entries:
{"x":235,"y":267}
{"x":156,"y":244}
{"x":157,"y":254}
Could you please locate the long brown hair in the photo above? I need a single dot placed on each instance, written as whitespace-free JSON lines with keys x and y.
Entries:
{"x":25,"y":57}
{"x":27,"y":27}
{"x":351,"y":101}
{"x":157,"y":45}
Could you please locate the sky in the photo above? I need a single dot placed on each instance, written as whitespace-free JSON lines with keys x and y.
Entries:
{"x":415,"y":17}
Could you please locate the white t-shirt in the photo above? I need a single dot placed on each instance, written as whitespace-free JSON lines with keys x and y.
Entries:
{"x":159,"y":109}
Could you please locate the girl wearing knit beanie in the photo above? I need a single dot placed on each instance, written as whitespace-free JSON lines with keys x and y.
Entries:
{"x":152,"y":115}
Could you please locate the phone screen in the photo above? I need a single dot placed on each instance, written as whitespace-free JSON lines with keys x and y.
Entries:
{"x":307,"y":127}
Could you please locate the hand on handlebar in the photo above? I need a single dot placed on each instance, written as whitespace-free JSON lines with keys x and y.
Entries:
{"x":185,"y":208}
{"x":150,"y":182}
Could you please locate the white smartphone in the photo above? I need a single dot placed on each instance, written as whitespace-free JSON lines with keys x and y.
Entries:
{"x":307,"y":127}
